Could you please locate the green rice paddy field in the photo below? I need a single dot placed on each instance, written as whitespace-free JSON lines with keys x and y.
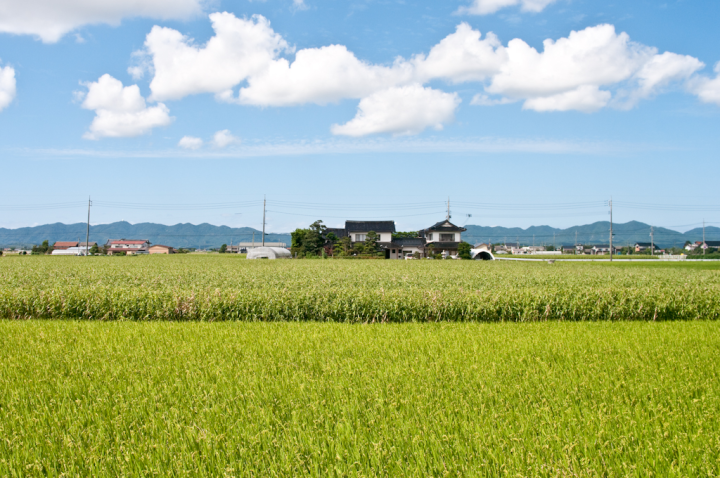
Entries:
{"x":222,"y":287}
{"x":112,"y":367}
{"x":80,"y":398}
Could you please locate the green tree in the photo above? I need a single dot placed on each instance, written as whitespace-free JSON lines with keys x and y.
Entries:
{"x":370,"y":246}
{"x":94,"y":249}
{"x":297,"y":245}
{"x":41,"y":249}
{"x":223,"y":249}
{"x":315,"y":238}
{"x":464,"y":250}
{"x":310,"y":241}
{"x":345,"y":244}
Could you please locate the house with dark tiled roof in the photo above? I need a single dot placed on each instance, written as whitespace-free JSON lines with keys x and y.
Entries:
{"x":441,"y":237}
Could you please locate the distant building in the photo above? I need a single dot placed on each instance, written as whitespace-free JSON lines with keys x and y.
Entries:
{"x":70,"y":251}
{"x":442,"y":237}
{"x":600,"y":250}
{"x":643,"y":246}
{"x":61,"y":245}
{"x":693,"y":246}
{"x":160,"y":249}
{"x":128,"y":246}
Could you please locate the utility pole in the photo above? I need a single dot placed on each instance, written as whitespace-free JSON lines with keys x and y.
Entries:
{"x":87,"y":232}
{"x":263,"y":239}
{"x":611,"y":231}
{"x":652,"y":241}
{"x":554,"y":243}
{"x":704,"y":246}
{"x":448,"y":208}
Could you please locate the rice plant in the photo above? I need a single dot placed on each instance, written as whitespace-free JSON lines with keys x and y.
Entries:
{"x":214,"y":288}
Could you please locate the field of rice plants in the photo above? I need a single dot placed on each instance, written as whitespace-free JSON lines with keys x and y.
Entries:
{"x":224,"y":287}
{"x":89,"y":398}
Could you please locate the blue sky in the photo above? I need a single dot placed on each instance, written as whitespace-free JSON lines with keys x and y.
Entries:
{"x":359,"y":109}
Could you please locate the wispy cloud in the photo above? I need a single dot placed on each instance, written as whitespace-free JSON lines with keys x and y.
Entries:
{"x":490,"y":145}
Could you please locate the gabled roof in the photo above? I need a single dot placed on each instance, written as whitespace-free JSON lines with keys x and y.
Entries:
{"x":170,"y":247}
{"x":713,"y":243}
{"x":643,"y":244}
{"x":66,"y":244}
{"x":445,"y":226}
{"x":367,"y":226}
{"x":337,"y":231}
{"x":127,"y":242}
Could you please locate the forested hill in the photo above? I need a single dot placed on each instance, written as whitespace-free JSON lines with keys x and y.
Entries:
{"x":597,"y":233}
{"x":207,"y":235}
{"x":179,"y":235}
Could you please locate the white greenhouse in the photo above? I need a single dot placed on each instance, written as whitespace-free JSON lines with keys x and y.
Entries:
{"x":70,"y":251}
{"x":269,"y":253}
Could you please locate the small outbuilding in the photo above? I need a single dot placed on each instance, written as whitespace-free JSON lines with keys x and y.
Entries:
{"x":269,"y":253}
{"x":160,"y":249}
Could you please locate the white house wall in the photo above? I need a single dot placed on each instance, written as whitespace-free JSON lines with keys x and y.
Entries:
{"x":382,"y":236}
{"x":436,"y":236}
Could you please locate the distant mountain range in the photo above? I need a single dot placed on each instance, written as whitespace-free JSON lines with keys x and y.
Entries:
{"x":207,"y":236}
{"x":596,"y":233}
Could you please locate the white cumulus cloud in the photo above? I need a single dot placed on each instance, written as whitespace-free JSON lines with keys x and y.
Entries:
{"x":586,"y":98}
{"x":708,"y":90}
{"x":190,"y":142}
{"x":570,"y":72}
{"x":403,"y":110}
{"x":8,"y":86}
{"x":51,"y":19}
{"x":121,"y":111}
{"x":224,"y":138}
{"x":246,"y":62}
{"x":240,"y":48}
{"x":486,"y":7}
{"x":462,"y":56}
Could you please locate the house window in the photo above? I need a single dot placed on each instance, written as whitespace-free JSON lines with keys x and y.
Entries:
{"x":360,"y":237}
{"x":430,"y":237}
{"x":447,"y":237}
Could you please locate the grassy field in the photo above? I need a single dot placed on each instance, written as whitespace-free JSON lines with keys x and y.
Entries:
{"x":322,"y":399}
{"x":225,"y":287}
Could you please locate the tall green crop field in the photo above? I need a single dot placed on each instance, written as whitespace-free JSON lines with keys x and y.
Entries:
{"x":223,"y":287}
{"x":80,"y":398}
